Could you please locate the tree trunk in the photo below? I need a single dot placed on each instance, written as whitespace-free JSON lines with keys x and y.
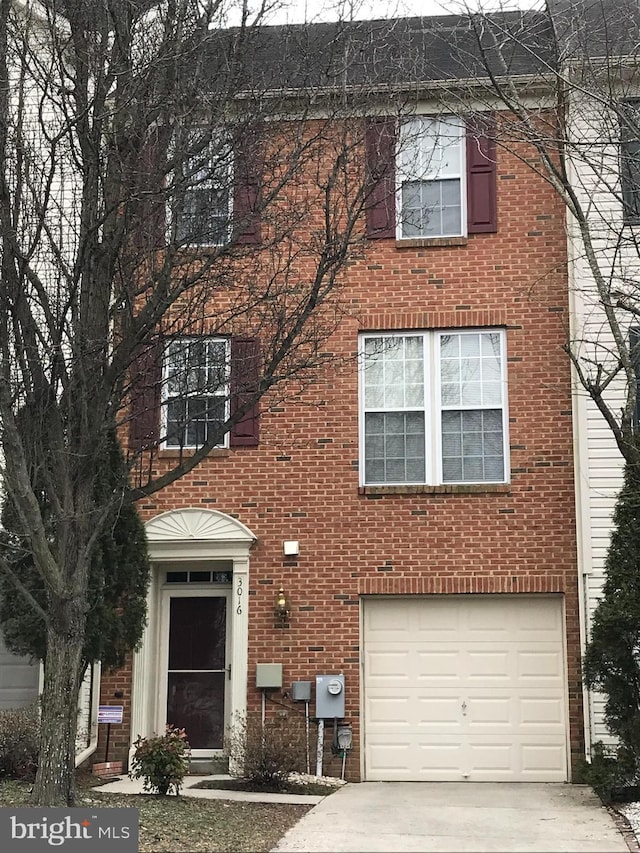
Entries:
{"x":55,"y":779}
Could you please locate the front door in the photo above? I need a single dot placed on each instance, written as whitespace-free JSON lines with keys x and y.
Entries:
{"x":195,"y":672}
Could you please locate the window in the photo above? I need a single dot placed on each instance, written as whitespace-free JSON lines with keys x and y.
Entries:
{"x":204,"y":198}
{"x":196,"y":387}
{"x":630,"y":160}
{"x":431,"y":178}
{"x":433,"y":408}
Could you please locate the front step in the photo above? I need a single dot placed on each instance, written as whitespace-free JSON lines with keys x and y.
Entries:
{"x":209,"y":766}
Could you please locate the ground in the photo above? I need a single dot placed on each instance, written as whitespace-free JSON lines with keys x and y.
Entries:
{"x":184,"y":824}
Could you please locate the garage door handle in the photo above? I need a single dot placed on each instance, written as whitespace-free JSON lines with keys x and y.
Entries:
{"x":464,"y":709}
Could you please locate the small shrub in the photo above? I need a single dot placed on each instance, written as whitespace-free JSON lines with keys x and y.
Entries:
{"x":268,"y":754}
{"x":162,"y":761}
{"x":610,"y":770}
{"x":19,"y":742}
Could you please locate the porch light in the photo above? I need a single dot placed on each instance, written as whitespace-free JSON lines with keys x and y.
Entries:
{"x":282,"y":609}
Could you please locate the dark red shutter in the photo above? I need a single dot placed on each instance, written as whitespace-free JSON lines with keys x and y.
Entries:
{"x":482,"y":209}
{"x":245,"y":372}
{"x":247,"y":184}
{"x":147,"y":206}
{"x":380,"y":150}
{"x":146,"y":381}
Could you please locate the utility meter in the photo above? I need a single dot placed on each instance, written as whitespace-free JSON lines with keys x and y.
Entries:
{"x":330,"y":696}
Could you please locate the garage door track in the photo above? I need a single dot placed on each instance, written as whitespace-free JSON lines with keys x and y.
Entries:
{"x":485,"y":817}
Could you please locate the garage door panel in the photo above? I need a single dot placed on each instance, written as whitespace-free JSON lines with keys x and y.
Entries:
{"x":437,"y":665}
{"x":539,"y":664}
{"x":485,"y":702}
{"x":484,"y":663}
{"x":389,"y":664}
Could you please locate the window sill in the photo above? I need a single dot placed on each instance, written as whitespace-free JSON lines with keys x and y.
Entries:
{"x":454,"y":489}
{"x":430,"y":242}
{"x":177,"y":453}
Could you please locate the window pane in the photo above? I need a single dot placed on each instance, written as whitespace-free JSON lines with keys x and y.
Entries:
{"x":450,"y":394}
{"x":452,"y":220}
{"x":472,"y":446}
{"x":449,"y":346}
{"x":401,"y":459}
{"x":469,"y":345}
{"x":492,"y":394}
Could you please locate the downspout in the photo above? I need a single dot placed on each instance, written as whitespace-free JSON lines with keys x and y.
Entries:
{"x":94,"y":701}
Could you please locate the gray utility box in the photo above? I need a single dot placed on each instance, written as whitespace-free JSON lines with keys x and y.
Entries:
{"x":330,"y":696}
{"x":269,"y":675}
{"x":301,"y":691}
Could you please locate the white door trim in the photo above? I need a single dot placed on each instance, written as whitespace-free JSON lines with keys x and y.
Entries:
{"x":183,"y":591}
{"x":177,"y":538}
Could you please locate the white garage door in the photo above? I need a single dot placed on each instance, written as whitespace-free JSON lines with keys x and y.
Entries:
{"x":464,"y":687}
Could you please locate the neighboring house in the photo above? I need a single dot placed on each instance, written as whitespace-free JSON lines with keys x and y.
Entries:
{"x":602,"y":58}
{"x":21,"y":677}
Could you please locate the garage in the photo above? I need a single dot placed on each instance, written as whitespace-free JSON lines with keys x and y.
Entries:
{"x":464,"y":687}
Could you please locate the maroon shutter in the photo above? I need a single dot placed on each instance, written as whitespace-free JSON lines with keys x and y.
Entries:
{"x":146,"y":380}
{"x":380,"y":149}
{"x":247,"y":166}
{"x":148,"y":203}
{"x":245,"y":372}
{"x":482,"y":210}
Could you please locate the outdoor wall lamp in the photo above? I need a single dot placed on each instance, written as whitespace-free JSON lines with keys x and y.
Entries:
{"x":282,"y":609}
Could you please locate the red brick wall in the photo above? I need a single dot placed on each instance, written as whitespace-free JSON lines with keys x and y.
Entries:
{"x":302,"y":482}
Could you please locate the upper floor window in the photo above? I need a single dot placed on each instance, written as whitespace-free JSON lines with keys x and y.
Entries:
{"x":204,"y":194}
{"x":434,"y":408}
{"x":196,"y":386}
{"x":630,"y":160}
{"x":431,"y":178}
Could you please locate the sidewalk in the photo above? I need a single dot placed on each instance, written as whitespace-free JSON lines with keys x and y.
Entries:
{"x":125,"y":785}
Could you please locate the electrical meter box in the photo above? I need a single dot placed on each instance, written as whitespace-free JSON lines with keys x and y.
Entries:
{"x":269,"y":675}
{"x":330,"y":696}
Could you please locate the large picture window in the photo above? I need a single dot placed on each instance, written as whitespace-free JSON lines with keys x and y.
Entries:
{"x":433,"y":407}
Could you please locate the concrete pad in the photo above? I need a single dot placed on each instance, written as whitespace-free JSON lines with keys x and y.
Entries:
{"x":378,"y":817}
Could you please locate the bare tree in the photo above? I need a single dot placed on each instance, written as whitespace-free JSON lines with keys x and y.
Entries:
{"x":562,"y":77}
{"x":174,"y":226}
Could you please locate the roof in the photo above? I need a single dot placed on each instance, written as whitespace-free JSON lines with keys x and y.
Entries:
{"x":386,"y":53}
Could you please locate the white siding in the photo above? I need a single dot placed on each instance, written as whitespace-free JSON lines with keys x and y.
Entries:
{"x":598,"y":463}
{"x":19,"y":679}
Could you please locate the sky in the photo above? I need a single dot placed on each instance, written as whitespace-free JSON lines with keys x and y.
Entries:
{"x":297,"y":11}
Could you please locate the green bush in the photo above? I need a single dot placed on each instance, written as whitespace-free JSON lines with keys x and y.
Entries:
{"x":19,"y":742}
{"x":610,"y":770}
{"x":162,"y":761}
{"x":268,"y":753}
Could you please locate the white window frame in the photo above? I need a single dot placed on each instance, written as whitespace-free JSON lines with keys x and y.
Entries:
{"x":166,"y":399}
{"x":415,"y":162}
{"x":208,"y":154}
{"x":432,"y":405}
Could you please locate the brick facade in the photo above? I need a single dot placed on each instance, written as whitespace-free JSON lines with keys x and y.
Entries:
{"x":302,"y":481}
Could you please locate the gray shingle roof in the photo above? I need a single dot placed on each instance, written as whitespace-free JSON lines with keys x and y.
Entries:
{"x":389,"y":53}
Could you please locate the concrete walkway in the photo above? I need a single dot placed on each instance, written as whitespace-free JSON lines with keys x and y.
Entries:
{"x":461,"y":817}
{"x":125,"y":785}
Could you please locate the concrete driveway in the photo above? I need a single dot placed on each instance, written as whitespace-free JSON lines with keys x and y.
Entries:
{"x":394,"y":817}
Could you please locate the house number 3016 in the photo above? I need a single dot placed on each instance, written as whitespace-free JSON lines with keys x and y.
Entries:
{"x":239,"y":593}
